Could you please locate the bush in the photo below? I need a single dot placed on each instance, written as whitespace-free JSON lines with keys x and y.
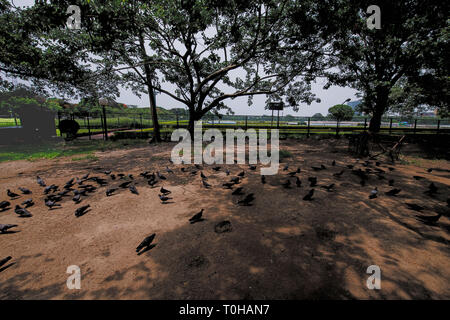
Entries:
{"x":130,"y":135}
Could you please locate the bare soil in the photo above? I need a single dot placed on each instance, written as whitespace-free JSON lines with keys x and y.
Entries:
{"x":281,"y":247}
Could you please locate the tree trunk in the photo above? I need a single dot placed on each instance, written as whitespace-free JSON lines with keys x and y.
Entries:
{"x":156,"y":131}
{"x":193,"y":116}
{"x":380,"y":107}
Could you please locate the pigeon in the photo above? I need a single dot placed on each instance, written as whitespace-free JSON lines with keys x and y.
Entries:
{"x":107,"y":172}
{"x":362,"y":183}
{"x":241,"y":174}
{"x":25,"y":190}
{"x":206,"y":184}
{"x":323,"y":167}
{"x":28,"y":203}
{"x":197,"y":217}
{"x":4,"y":261}
{"x":228,"y":185}
{"x":287,"y":184}
{"x":238,"y":191}
{"x":85,"y":176}
{"x":77,"y":198}
{"x":431,"y":189}
{"x":53,"y":197}
{"x":82,"y":210}
{"x":235,"y":180}
{"x":151,"y":183}
{"x":203,"y":176}
{"x":298,"y":182}
{"x":49,"y":188}
{"x":124,"y":184}
{"x":11,"y":194}
{"x":198,"y":166}
{"x":160,"y":176}
{"x":391,"y":182}
{"x":110,"y":191}
{"x":252,"y":168}
{"x":227,"y":172}
{"x":391,"y":168}
{"x":429,"y":219}
{"x":333,"y":163}
{"x":63,"y":193}
{"x":6,"y":227}
{"x":429,"y":170}
{"x":286,"y":167}
{"x":350,"y":166}
{"x":338,"y":174}
{"x":393,"y":192}
{"x":313,"y":181}
{"x":168,"y":170}
{"x":216,"y":168}
{"x":163,"y":198}
{"x":309,"y":195}
{"x":51,"y":204}
{"x":373,"y":193}
{"x":40,"y":181}
{"x":133,"y":189}
{"x":165,"y":191}
{"x":317,"y":168}
{"x":329,"y":187}
{"x":193,"y":172}
{"x":146,"y":242}
{"x":263,"y":179}
{"x":415,"y":207}
{"x":292,"y":173}
{"x":418,"y":177}
{"x":247,"y":200}
{"x":22,"y":212}
{"x":4,"y":205}
{"x":113,"y":176}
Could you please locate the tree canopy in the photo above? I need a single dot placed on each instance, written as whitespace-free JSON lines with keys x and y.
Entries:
{"x":341,"y":112}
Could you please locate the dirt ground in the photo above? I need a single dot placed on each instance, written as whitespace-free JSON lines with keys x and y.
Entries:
{"x":280,"y":248}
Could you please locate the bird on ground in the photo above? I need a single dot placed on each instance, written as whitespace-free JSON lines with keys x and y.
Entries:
{"x":391,"y":168}
{"x":333,"y":163}
{"x":131,"y":176}
{"x":286,"y":167}
{"x":362,"y":183}
{"x":199,"y":167}
{"x":313,"y":181}
{"x":6,"y":227}
{"x":286,"y":184}
{"x":197,"y":217}
{"x":82,"y":210}
{"x":152,"y":183}
{"x":206,"y":184}
{"x":216,"y":168}
{"x":22,"y":212}
{"x":373,"y":193}
{"x":183,"y":169}
{"x":377,"y":163}
{"x":391,"y":182}
{"x":165,"y":191}
{"x":53,"y":197}
{"x":247,"y":200}
{"x":163,"y":198}
{"x":77,"y":198}
{"x":309,"y":195}
{"x":393,"y":192}
{"x":12,"y":194}
{"x":350,"y":166}
{"x":168,"y":170}
{"x":4,"y":205}
{"x":48,"y":189}
{"x":133,"y":189}
{"x":85,"y":176}
{"x":316,"y":168}
{"x":228,"y":185}
{"x":4,"y":261}
{"x":124,"y":185}
{"x":235,"y":180}
{"x":50,"y":204}
{"x":113,"y":176}
{"x":263,"y":179}
{"x":194,"y":172}
{"x":160,"y":176}
{"x":432,"y":189}
{"x":292,"y":173}
{"x":203,"y":176}
{"x":252,"y":168}
{"x":429,"y":170}
{"x":237,"y":191}
{"x":146,"y":242}
{"x":40,"y":181}
{"x":64,"y":193}
{"x":110,"y":191}
{"x":28,"y":203}
{"x":25,"y":190}
{"x":329,"y":187}
{"x":415,"y":207}
{"x":241,"y":174}
{"x":429,"y":219}
{"x":418,"y":177}
{"x":338,"y":174}
{"x":107,"y":172}
{"x":227,"y":171}
{"x":298,"y":182}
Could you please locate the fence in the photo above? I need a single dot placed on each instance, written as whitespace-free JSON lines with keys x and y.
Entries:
{"x":103,"y":123}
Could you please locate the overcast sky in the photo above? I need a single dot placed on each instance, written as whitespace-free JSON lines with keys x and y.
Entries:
{"x":334,"y":95}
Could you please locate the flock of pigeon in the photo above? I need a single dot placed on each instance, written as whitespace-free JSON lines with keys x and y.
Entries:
{"x":80,"y":188}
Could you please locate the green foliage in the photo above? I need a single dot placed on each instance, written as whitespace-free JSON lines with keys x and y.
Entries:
{"x":341,"y":112}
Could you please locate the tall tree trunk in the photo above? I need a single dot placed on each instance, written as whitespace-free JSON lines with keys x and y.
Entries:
{"x":381,"y":104}
{"x":193,"y":116}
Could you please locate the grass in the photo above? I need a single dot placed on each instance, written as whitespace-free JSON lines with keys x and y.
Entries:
{"x":83,"y":150}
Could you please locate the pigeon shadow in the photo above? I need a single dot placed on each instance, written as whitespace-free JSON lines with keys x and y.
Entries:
{"x":197,"y":220}
{"x":8,"y":232}
{"x":150,"y":247}
{"x":82,"y":214}
{"x":7,"y":266}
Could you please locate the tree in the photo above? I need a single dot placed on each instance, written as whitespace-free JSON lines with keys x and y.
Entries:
{"x":213,"y":51}
{"x":374,"y":60}
{"x":341,"y":112}
{"x":317,"y":116}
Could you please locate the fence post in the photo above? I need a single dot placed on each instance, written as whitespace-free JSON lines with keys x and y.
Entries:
{"x":106,"y":125}
{"x":415,"y":125}
{"x":309,"y":119}
{"x":89,"y":126}
{"x":141,"y":123}
{"x":438,"y":126}
{"x":365,"y":124}
{"x":390,"y":127}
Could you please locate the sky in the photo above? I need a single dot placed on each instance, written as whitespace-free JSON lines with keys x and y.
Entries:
{"x":334,"y":95}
